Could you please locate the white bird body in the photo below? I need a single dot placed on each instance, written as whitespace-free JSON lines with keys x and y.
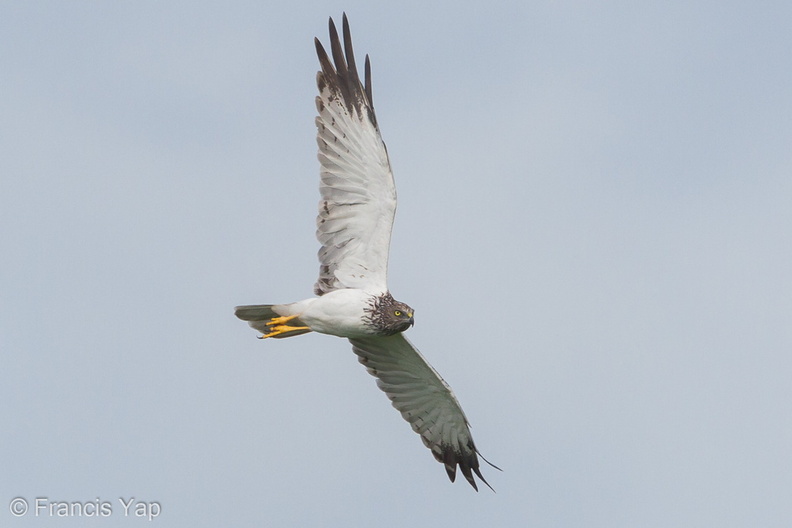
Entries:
{"x":335,"y":313}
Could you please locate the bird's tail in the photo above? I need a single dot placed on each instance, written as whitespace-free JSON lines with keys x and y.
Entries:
{"x":264,"y":318}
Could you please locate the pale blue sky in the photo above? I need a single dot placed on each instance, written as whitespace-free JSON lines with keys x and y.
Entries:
{"x":594,"y":228}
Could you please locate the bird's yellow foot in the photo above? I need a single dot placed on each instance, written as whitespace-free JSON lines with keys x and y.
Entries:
{"x":278,"y":327}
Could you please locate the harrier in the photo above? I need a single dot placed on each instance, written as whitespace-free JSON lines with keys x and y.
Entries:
{"x":356,"y":211}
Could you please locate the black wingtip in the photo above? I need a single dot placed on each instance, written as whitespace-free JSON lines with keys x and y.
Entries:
{"x":487,"y":461}
{"x":478,"y":472}
{"x":466,"y":471}
{"x":350,"y":54}
{"x":339,"y":71}
{"x":369,"y":91}
{"x":345,"y":23}
{"x":452,"y":460}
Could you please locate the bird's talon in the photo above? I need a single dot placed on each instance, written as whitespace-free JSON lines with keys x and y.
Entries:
{"x":281,"y":328}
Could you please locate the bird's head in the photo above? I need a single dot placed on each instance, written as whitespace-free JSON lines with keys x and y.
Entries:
{"x":389,"y":316}
{"x":399,"y":317}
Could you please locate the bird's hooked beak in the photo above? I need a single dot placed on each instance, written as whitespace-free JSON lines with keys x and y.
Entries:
{"x":411,"y":320}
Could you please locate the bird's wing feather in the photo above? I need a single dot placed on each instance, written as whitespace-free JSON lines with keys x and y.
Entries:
{"x":358,"y":196}
{"x":424,"y":399}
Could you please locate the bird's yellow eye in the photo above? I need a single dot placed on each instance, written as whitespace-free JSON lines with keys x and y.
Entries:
{"x":397,"y":313}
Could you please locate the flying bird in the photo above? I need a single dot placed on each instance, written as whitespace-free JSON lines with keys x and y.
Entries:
{"x":356,"y":212}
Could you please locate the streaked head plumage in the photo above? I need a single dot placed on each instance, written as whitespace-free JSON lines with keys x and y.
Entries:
{"x":389,"y":316}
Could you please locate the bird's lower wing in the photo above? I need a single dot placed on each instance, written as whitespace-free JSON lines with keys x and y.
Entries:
{"x":424,"y":399}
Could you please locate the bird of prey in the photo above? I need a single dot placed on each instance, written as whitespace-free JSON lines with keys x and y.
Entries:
{"x":356,"y":211}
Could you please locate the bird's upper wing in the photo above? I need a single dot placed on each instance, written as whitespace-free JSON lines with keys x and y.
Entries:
{"x":424,"y":399}
{"x":358,"y":194}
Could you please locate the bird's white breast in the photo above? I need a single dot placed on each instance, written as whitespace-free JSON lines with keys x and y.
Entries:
{"x":339,"y":313}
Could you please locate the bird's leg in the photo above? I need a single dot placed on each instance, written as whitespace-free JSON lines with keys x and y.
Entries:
{"x":278,"y":326}
{"x":281,"y":320}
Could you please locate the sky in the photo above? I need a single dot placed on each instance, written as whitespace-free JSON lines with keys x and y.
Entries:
{"x":594,"y":228}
